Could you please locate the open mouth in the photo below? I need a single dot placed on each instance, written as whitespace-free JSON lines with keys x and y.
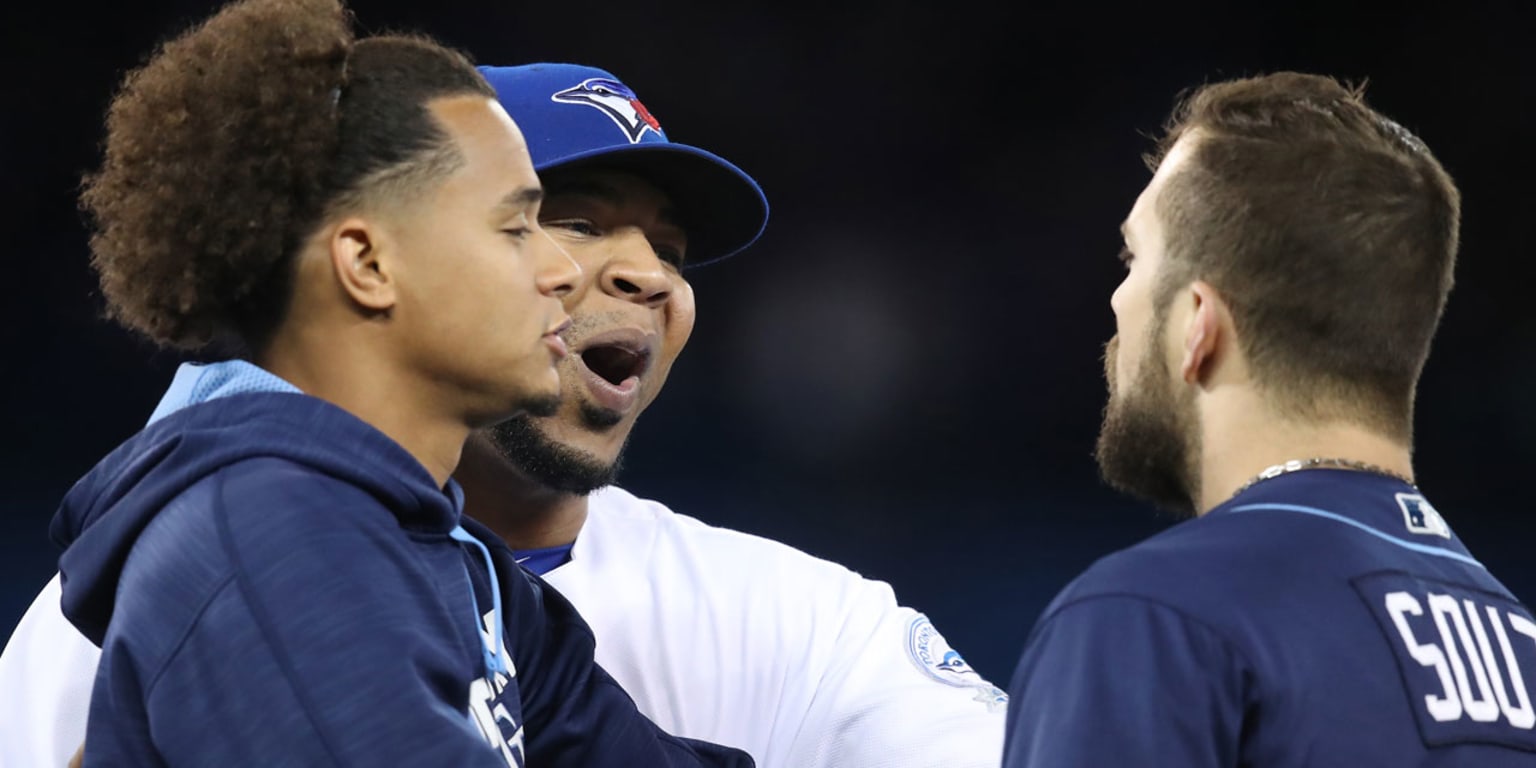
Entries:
{"x":615,"y":364}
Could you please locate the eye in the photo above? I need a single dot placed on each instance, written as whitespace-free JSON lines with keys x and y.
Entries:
{"x":581,"y":227}
{"x":670,"y":255}
{"x":517,"y":233}
{"x":1126,"y":257}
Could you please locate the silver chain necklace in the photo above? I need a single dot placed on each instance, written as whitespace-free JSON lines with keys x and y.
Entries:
{"x":1313,"y":463}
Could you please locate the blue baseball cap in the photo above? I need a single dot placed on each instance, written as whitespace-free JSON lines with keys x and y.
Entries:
{"x":574,"y":115}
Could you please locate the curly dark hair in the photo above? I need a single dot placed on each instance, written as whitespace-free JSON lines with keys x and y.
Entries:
{"x":237,"y":138}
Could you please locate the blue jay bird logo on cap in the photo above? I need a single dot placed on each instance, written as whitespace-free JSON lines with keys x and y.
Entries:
{"x":616,"y":101}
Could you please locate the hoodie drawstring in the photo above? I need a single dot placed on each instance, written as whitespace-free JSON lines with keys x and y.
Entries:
{"x":497,"y":660}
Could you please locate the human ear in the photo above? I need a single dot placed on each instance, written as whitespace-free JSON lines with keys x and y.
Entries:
{"x":1202,"y":333}
{"x":358,"y":258}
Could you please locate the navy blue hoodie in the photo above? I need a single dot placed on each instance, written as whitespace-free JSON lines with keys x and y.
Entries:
{"x":273,"y":581}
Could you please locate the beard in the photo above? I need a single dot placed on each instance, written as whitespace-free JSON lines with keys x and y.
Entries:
{"x":552,"y":464}
{"x":1149,"y":440}
{"x":540,"y":405}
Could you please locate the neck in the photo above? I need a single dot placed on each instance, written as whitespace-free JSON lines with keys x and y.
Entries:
{"x":1248,"y":440}
{"x":346,"y":374}
{"x":522,"y":512}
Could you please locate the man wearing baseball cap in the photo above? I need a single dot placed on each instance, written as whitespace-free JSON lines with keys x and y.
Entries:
{"x":716,"y":634}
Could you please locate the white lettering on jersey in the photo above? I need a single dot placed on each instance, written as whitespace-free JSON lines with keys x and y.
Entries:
{"x":1481,"y":708}
{"x":1521,"y":715}
{"x":1442,"y":708}
{"x":1469,"y":641}
{"x":489,"y":713}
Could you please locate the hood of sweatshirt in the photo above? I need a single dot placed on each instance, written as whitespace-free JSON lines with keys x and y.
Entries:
{"x":213,"y":417}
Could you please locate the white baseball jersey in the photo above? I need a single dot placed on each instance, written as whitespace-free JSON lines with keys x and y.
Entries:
{"x":46,"y":675}
{"x":717,"y":634}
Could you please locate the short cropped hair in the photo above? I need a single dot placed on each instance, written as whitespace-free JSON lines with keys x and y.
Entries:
{"x":1329,"y":229}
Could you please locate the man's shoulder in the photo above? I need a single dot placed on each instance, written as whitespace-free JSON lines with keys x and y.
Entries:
{"x":274,"y":520}
{"x":44,"y":634}
{"x":615,"y":510}
{"x":1229,"y":572}
{"x":818,"y":664}
{"x":1181,"y":567}
{"x":281,"y":496}
{"x":46,"y":673}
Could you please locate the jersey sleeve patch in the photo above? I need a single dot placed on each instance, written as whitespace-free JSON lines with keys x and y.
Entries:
{"x":1467,"y":658}
{"x":932,"y":654}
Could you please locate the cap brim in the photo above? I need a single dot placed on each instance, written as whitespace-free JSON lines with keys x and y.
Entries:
{"x":721,"y":207}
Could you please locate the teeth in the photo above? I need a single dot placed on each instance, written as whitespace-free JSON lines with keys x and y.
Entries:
{"x":614,"y":364}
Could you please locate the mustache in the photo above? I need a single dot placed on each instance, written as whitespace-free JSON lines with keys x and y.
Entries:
{"x":586,"y":325}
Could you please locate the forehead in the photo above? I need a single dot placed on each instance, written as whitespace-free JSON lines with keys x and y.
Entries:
{"x":615,"y":186}
{"x":1144,"y":226}
{"x":492,"y":145}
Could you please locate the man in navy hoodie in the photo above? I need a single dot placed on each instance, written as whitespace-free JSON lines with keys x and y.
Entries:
{"x":276,"y":569}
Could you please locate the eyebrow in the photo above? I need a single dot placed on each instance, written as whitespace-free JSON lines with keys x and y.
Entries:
{"x":606,"y":193}
{"x":521,"y":197}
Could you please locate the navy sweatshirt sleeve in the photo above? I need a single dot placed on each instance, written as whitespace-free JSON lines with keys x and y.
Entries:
{"x":269,"y":616}
{"x":1125,"y":681}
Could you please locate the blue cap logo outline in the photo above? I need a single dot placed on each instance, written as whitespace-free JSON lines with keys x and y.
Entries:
{"x":615,"y":100}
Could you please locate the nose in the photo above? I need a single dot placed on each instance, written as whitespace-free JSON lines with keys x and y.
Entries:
{"x":634,"y":273}
{"x":1117,"y":298}
{"x":556,"y":272}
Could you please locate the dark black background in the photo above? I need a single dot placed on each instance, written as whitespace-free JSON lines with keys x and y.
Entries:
{"x":903,"y":375}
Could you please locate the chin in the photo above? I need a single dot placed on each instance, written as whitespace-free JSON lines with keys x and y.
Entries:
{"x":543,"y":404}
{"x":599,"y":436}
{"x":1147,"y":448}
{"x":539,"y":449}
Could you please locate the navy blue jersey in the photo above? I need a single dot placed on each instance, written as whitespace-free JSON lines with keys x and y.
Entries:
{"x":1319,"y":618}
{"x":274,"y":582}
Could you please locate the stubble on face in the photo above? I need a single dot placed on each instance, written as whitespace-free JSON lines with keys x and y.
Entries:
{"x":540,"y":405}
{"x":552,"y":464}
{"x":523,"y":442}
{"x":1149,"y":443}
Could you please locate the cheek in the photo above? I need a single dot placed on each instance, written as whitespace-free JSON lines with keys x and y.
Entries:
{"x":1133,"y":314}
{"x":1122,"y":365}
{"x":1111,"y":350}
{"x":678,"y":318}
{"x":679,"y":315}
{"x":499,"y":297}
{"x":681,"y":309}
